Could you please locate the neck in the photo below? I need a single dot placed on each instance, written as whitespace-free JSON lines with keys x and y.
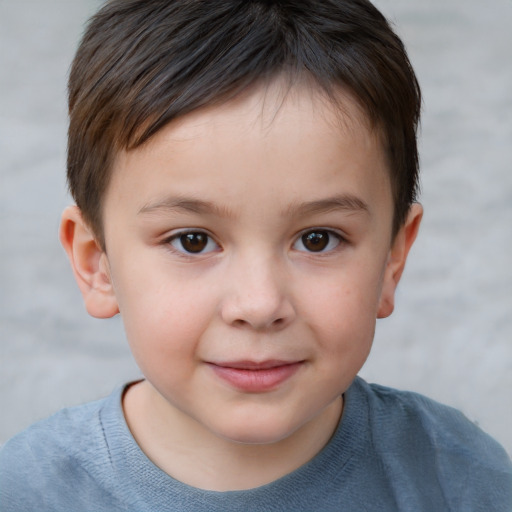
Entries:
{"x":188,"y":452}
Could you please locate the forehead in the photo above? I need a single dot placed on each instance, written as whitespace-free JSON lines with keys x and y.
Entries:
{"x":273,"y":140}
{"x":266,"y":104}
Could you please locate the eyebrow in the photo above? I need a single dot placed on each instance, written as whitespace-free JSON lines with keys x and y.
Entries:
{"x":187,"y":205}
{"x":346,"y":202}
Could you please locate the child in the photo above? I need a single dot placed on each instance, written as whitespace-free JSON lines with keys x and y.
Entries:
{"x":245,"y":174}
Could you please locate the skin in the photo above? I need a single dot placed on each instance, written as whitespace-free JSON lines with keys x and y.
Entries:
{"x":252,"y":177}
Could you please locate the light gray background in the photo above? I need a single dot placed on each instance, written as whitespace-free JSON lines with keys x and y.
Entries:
{"x":450,"y":336}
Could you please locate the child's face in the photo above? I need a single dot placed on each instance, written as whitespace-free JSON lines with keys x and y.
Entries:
{"x":249,"y":250}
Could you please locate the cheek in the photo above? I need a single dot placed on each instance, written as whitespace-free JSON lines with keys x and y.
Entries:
{"x":345,"y":299}
{"x":163,"y":318}
{"x":342,"y":313}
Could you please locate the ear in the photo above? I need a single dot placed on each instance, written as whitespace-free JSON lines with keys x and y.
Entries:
{"x":396,"y":260}
{"x":89,"y":263}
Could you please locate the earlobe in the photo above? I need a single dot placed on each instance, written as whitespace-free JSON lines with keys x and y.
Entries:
{"x":89,"y":263}
{"x":397,"y":258}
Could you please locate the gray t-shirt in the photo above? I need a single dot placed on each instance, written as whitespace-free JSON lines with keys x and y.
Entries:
{"x":393,"y":451}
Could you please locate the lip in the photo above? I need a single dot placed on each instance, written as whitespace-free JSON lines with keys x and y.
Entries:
{"x":256,"y":377}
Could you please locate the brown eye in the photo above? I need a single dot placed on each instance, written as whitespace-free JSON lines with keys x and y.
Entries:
{"x":315,"y":241}
{"x":318,"y":240}
{"x":193,"y":242}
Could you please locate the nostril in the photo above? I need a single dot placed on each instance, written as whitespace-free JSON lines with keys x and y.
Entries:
{"x":259,"y":312}
{"x":277,"y":323}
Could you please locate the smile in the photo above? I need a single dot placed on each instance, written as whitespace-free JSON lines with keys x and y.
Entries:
{"x":253,"y":377}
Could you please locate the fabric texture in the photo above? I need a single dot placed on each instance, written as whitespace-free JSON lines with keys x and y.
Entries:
{"x":393,"y":451}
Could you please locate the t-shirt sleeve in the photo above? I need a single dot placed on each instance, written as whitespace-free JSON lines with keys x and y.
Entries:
{"x":425,"y":444}
{"x":58,"y":464}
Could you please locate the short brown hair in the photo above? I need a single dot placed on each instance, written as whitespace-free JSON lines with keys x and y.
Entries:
{"x":143,"y":63}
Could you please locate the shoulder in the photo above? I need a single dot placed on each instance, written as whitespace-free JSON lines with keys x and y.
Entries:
{"x":445,"y":426}
{"x":423,"y":440}
{"x":54,"y":457}
{"x":64,"y":432}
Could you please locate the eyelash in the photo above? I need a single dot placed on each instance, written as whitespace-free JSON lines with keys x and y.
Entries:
{"x":315,"y":235}
{"x":325,"y":238}
{"x":181,"y":237}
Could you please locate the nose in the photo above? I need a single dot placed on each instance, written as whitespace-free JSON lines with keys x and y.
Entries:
{"x":257,"y":296}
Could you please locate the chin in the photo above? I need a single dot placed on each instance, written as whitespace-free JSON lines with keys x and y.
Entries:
{"x":255,"y":439}
{"x":255,"y":432}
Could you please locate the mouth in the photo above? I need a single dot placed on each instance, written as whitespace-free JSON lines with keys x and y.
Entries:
{"x":255,"y":377}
